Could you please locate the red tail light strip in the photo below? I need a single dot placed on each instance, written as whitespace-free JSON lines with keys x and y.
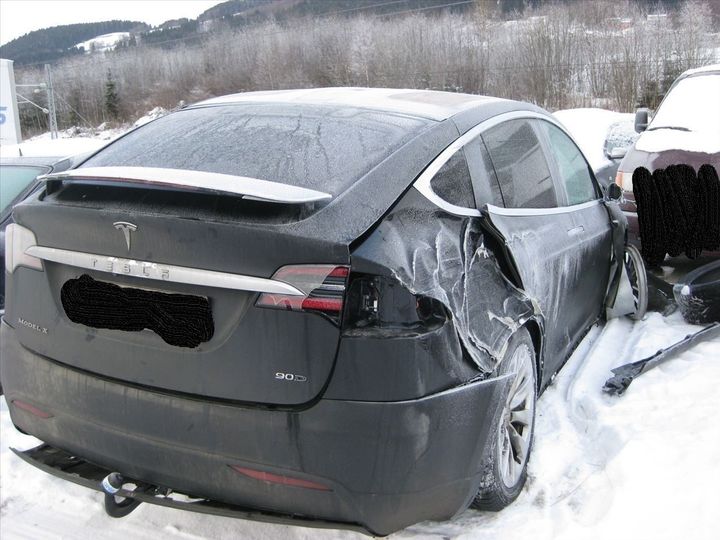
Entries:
{"x":278,"y":479}
{"x":31,"y":409}
{"x":323,"y":287}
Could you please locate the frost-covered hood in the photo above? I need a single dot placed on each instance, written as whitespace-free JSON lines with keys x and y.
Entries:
{"x":662,"y":140}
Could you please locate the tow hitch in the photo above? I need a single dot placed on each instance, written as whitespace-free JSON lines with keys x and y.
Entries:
{"x":624,"y":375}
{"x":117,"y":505}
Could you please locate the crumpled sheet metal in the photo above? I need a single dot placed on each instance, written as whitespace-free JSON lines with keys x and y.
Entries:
{"x":450,"y":263}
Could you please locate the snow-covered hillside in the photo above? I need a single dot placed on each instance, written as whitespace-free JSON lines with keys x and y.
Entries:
{"x":106,"y":42}
{"x":643,"y":466}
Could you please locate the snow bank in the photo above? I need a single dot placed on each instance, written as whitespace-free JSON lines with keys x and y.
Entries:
{"x":591,"y":127}
{"x":641,"y":466}
{"x":74,"y":140}
{"x":157,"y":112}
{"x":69,"y":142}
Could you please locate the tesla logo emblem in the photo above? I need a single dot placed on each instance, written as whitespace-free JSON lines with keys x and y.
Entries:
{"x":126,"y":229}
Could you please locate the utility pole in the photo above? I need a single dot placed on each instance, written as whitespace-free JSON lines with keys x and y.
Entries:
{"x":51,"y":103}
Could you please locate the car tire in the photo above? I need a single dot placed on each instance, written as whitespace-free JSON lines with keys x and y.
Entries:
{"x":635,"y":268}
{"x":513,"y":433}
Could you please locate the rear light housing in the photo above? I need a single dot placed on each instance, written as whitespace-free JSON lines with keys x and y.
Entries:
{"x":384,"y":304}
{"x":17,"y":240}
{"x":322,"y":288}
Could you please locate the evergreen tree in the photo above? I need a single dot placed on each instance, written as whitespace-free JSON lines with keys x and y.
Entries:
{"x":112,"y":101}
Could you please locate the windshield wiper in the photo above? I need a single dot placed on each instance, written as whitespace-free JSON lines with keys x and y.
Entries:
{"x":678,"y":128}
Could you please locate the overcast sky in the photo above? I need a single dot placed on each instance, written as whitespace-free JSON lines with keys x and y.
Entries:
{"x":18,"y":17}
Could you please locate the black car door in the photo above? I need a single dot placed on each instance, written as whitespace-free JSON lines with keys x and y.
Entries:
{"x":540,"y":234}
{"x":592,"y":232}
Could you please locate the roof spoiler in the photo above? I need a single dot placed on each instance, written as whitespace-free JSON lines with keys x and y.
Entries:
{"x":200,"y":181}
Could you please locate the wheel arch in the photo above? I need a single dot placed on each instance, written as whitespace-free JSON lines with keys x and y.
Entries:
{"x":535,"y":329}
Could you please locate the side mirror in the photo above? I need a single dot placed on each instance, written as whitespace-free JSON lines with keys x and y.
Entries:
{"x":642,"y":119}
{"x":618,"y":152}
{"x":614,"y":192}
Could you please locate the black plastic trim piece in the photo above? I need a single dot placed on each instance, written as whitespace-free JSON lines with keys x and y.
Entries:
{"x":73,"y":469}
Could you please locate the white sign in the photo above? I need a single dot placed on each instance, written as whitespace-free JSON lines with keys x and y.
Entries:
{"x":9,"y":116}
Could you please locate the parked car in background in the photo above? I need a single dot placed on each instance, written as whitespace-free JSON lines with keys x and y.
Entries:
{"x":684,"y":130}
{"x":18,"y":178}
{"x":331,"y":307}
{"x":603,"y":136}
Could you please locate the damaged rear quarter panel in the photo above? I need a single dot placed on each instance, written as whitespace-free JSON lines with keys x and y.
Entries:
{"x":442,"y":256}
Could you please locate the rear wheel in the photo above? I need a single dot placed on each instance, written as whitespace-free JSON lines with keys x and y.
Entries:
{"x":514,"y":432}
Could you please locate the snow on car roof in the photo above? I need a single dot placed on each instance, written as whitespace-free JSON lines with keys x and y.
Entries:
{"x":704,"y":69}
{"x":687,"y":119}
{"x":423,"y":103}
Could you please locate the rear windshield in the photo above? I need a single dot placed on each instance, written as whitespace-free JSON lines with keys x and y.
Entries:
{"x":318,"y":147}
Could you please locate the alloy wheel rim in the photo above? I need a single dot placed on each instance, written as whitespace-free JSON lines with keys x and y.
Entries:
{"x":518,"y":415}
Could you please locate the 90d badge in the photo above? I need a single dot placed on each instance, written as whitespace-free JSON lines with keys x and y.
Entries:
{"x":290,"y":377}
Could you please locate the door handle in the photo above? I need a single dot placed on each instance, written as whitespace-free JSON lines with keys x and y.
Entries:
{"x":576,"y":230}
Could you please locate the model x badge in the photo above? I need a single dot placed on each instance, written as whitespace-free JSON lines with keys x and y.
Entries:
{"x":126,"y":229}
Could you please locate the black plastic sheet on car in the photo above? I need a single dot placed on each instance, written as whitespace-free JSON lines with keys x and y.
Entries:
{"x":179,"y":319}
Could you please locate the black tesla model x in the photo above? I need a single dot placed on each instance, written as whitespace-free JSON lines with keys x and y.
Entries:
{"x":331,"y":307}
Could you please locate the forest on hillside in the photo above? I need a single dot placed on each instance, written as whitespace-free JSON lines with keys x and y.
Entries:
{"x":615,"y":55}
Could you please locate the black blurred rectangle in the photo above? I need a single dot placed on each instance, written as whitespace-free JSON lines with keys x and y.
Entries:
{"x":179,"y":319}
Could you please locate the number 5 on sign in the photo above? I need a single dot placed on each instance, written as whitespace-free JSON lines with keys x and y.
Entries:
{"x":9,"y":114}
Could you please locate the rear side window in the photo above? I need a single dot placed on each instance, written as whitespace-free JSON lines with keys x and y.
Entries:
{"x":318,"y":147}
{"x":13,"y":181}
{"x":520,"y":165}
{"x":574,"y":170}
{"x":485,"y":184}
{"x":452,"y":182}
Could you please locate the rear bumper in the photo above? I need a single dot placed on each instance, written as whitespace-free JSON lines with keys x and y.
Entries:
{"x":386,"y":464}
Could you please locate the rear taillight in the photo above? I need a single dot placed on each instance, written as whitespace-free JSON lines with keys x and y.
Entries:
{"x":17,"y":240}
{"x":322,"y":290}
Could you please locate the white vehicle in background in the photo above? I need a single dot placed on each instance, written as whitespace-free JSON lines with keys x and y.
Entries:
{"x":603,"y":136}
{"x":684,"y":130}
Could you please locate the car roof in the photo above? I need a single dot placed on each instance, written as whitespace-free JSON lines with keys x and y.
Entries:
{"x":427,"y":104}
{"x":714,"y":68}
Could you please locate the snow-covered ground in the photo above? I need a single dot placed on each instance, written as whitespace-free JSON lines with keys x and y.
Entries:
{"x":75,"y":140}
{"x":643,"y":466}
{"x":69,"y":142}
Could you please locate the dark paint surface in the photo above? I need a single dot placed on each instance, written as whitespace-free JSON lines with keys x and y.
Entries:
{"x":398,"y":417}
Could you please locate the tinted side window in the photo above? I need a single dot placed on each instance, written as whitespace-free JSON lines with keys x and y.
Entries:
{"x":452,"y":182}
{"x":520,"y":165}
{"x":574,"y":171}
{"x":485,"y":184}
